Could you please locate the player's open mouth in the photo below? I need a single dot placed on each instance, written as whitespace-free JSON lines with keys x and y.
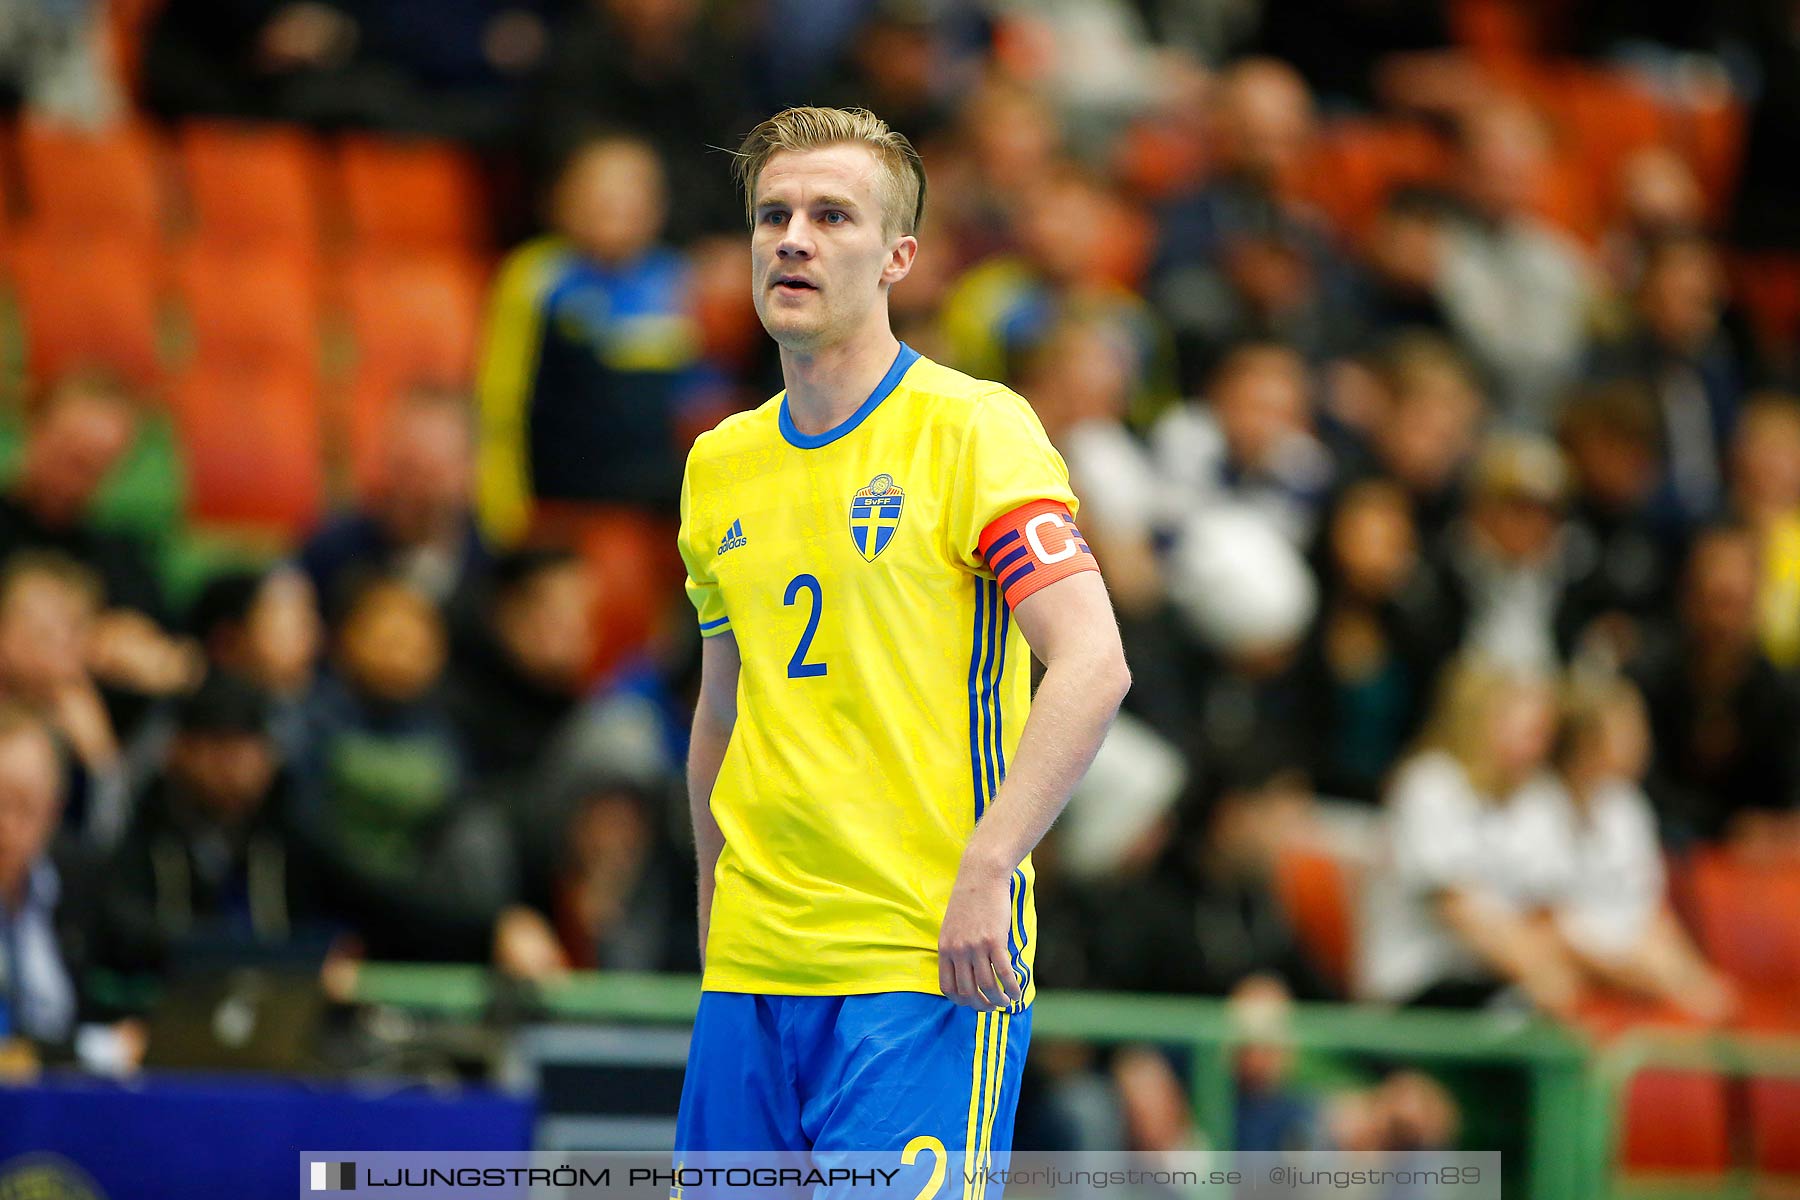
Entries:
{"x":793,"y":283}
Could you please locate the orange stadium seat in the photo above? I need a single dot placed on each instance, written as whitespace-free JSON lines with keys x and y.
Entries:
{"x":1602,"y":117}
{"x":1676,"y":1122}
{"x":1747,"y":916}
{"x":250,"y":307}
{"x":416,"y":316}
{"x":1316,"y":892}
{"x":413,"y":195}
{"x":82,"y":183}
{"x":253,"y":185}
{"x":252,"y":443}
{"x":86,"y":301}
{"x":1570,"y":197}
{"x":1775,"y":1125}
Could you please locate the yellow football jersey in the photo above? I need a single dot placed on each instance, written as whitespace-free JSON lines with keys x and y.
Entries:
{"x":884,"y":683}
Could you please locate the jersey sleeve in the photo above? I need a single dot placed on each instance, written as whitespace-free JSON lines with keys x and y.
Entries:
{"x":697,"y":554}
{"x":1014,"y":513}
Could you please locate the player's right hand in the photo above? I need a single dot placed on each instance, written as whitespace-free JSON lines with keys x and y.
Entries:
{"x":974,"y":966}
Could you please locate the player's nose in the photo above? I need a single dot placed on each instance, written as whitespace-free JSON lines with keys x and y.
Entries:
{"x":796,"y":239}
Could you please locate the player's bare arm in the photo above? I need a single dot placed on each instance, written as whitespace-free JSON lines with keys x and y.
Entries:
{"x":715,"y":715}
{"x":1070,"y":627}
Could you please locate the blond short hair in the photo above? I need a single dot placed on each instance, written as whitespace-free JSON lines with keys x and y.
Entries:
{"x":901,"y":188}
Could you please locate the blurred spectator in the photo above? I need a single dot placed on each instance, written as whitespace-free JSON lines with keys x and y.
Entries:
{"x":219,"y":861}
{"x":1658,"y":196}
{"x":1279,"y":1109}
{"x":1726,"y":762}
{"x":79,"y":429}
{"x":1270,"y":282}
{"x":1008,"y":144}
{"x":524,"y":680}
{"x":666,"y":70}
{"x":76,"y":433}
{"x":212,"y":858}
{"x":1245,"y":600}
{"x":52,"y":922}
{"x":417,"y":867}
{"x":1515,"y":290}
{"x":1405,"y":258}
{"x":264,"y":627}
{"x":1089,"y":56}
{"x":53,"y":61}
{"x":1243,"y":256}
{"x":1478,"y":854}
{"x":1000,"y":310}
{"x":48,"y":604}
{"x":1265,"y":130}
{"x":1115,"y":820}
{"x":1252,"y":444}
{"x":1616,"y":918}
{"x":1200,"y":915}
{"x":386,"y":772}
{"x":902,"y":65}
{"x":1420,"y":428}
{"x":1079,"y":381}
{"x":1204,"y":919}
{"x":1681,"y":353}
{"x":591,"y":352}
{"x":1385,"y":628}
{"x":418,"y":520}
{"x":1765,"y":495}
{"x":620,"y":895}
{"x":1621,"y":558}
{"x":1507,"y":562}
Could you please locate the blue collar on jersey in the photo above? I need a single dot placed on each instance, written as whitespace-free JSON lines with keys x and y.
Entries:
{"x":902,"y":362}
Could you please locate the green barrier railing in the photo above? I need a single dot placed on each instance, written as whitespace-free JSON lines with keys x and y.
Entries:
{"x":1575,"y":1089}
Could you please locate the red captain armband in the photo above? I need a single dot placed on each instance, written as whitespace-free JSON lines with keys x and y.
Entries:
{"x":1032,"y":547}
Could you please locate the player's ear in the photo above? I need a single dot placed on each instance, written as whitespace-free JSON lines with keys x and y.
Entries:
{"x":900,"y":259}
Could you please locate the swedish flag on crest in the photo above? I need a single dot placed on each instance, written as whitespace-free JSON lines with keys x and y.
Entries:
{"x":874,"y":515}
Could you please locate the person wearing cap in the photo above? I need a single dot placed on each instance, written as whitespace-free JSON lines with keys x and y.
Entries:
{"x":1506,"y":562}
{"x":211,"y":854}
{"x":221,"y":856}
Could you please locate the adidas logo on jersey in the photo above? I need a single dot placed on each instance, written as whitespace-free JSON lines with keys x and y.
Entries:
{"x":734,"y":537}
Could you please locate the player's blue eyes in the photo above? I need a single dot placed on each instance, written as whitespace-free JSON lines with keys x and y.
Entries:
{"x":834,"y":217}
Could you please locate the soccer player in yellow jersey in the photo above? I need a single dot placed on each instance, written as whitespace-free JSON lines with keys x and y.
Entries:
{"x":875,"y":555}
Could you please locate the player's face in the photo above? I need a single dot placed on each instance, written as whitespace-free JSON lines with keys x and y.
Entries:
{"x":820,"y":264}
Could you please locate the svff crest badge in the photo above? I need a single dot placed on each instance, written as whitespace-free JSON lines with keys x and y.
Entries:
{"x":874,"y":515}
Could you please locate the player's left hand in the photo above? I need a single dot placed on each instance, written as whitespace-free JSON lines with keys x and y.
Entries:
{"x":974,"y":966}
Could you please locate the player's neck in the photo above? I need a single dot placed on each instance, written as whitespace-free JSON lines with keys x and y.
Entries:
{"x":825,"y":387}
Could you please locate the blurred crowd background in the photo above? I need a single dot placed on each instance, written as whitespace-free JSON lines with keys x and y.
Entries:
{"x":1426,"y":368}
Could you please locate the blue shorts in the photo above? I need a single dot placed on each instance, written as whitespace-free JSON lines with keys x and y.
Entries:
{"x":865,"y":1077}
